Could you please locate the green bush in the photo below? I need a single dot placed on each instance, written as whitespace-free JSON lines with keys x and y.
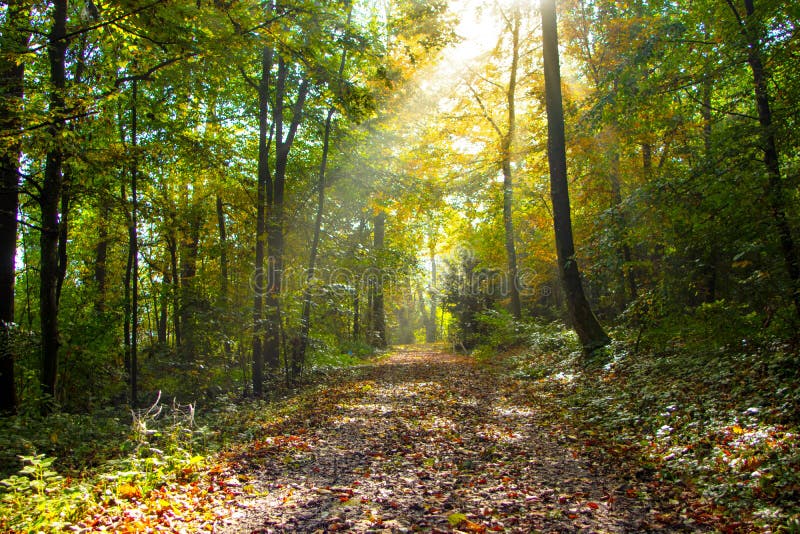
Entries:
{"x":497,"y":330}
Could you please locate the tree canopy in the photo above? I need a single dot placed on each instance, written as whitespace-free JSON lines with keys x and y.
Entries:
{"x":216,"y":198}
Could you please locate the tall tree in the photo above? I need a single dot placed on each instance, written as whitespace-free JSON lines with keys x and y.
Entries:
{"x":275,"y":224}
{"x":430,"y":323}
{"x":262,"y":183}
{"x":506,"y":134}
{"x":50,"y":198}
{"x":590,"y":332}
{"x":224,"y":297}
{"x":752,"y":32}
{"x":13,"y":43}
{"x":133,"y":235}
{"x":508,"y":180}
{"x":377,"y":334}
{"x":298,"y":358}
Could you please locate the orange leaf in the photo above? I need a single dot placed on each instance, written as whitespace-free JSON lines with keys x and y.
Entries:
{"x":593,"y":505}
{"x":129,"y":491}
{"x":469,"y":526}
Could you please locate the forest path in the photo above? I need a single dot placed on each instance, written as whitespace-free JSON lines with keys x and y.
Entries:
{"x":428,"y":441}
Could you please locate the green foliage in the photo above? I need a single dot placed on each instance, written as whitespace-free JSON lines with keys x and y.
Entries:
{"x":39,"y":499}
{"x":329,"y":357}
{"x":358,"y":349}
{"x":159,"y":446}
{"x":80,"y":441}
{"x":497,"y":330}
{"x":719,"y":418}
{"x":468,"y":291}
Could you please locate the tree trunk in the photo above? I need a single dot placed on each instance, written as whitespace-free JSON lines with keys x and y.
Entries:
{"x":430,"y":324}
{"x":13,"y":43}
{"x":127,"y":307}
{"x":263,"y":184}
{"x":224,"y":304}
{"x":626,"y":278}
{"x":711,"y":268}
{"x":775,"y":194}
{"x":378,"y":316}
{"x":68,"y":177}
{"x":298,"y":359}
{"x":591,"y":334}
{"x":172,"y":246}
{"x":101,"y":256}
{"x":370,"y":311}
{"x":189,"y":291}
{"x":356,"y":314}
{"x":49,"y":199}
{"x":63,"y":229}
{"x":275,"y":221}
{"x":162,"y":309}
{"x":133,"y":375}
{"x":508,"y":187}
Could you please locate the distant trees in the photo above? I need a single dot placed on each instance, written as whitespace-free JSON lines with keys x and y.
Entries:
{"x":679,"y":129}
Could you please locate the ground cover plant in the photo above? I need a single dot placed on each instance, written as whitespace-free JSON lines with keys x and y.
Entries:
{"x":714,"y":430}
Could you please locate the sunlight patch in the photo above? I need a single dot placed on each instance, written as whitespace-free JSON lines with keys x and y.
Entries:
{"x":514,"y":411}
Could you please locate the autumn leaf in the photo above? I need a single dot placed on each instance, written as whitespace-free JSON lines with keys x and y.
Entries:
{"x":455,"y":519}
{"x":129,"y":491}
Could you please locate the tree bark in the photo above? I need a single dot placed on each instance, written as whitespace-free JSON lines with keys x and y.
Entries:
{"x":13,"y":43}
{"x":299,"y":356}
{"x":377,"y":312}
{"x":591,"y":334}
{"x":263,"y":184}
{"x":172,"y":247}
{"x":508,"y":182}
{"x":49,"y":200}
{"x":163,"y":309}
{"x":356,"y":314}
{"x":133,"y":375}
{"x":224,"y":303}
{"x":275,"y":200}
{"x":430,"y":324}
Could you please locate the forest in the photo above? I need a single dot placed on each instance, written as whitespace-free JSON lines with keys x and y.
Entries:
{"x":257,"y":257}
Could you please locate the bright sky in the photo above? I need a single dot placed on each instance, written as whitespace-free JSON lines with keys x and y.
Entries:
{"x":478,"y":36}
{"x":479,"y":33}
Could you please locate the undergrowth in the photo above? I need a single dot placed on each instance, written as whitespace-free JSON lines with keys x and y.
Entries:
{"x":60,"y":471}
{"x":719,"y":421}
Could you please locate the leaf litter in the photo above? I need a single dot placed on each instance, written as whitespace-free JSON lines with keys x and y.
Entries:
{"x":427,"y":441}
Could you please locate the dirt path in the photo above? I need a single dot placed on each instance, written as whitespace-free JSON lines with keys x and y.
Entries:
{"x":427,"y":441}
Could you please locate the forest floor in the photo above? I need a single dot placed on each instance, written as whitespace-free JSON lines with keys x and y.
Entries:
{"x":424,"y":440}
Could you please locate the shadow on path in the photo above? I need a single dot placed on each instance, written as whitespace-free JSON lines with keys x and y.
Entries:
{"x":427,"y":441}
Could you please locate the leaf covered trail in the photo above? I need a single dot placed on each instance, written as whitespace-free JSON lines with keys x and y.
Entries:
{"x":429,"y":441}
